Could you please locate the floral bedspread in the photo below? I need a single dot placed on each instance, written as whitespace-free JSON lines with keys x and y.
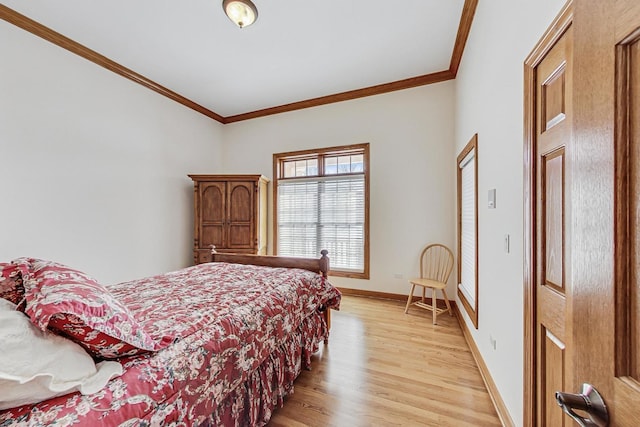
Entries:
{"x":227,"y":319}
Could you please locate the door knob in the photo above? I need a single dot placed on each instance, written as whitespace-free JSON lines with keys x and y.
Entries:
{"x":589,"y":401}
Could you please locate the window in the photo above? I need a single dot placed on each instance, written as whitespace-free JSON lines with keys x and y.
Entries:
{"x":468,"y":228}
{"x":322,"y":202}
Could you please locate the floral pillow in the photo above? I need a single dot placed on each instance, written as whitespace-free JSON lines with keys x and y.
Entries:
{"x":11,"y":287}
{"x":75,"y":305}
{"x":95,"y":342}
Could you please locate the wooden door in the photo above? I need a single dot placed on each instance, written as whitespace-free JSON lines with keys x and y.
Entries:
{"x":553,"y":280}
{"x":241,"y":215}
{"x":213,"y":214}
{"x":605,"y":195}
{"x":582,"y":198}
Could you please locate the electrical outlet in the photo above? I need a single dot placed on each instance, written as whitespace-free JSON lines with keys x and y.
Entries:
{"x":397,"y":275}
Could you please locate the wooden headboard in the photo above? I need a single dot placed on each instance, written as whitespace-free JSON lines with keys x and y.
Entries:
{"x":318,"y":265}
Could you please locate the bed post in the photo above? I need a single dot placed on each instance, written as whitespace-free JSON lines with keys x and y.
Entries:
{"x":324,"y":263}
{"x":324,"y":269}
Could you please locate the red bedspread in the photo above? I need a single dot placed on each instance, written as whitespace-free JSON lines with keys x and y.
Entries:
{"x":228,"y":321}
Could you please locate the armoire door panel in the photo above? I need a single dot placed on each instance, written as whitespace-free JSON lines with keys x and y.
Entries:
{"x":212,"y":234}
{"x":241,"y":236}
{"x":241,"y":195}
{"x":213,"y":202}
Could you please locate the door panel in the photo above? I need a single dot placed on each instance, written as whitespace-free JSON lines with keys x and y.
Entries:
{"x":626,"y":349}
{"x":553,"y":315}
{"x":553,"y":141}
{"x":553,"y":217}
{"x":554,"y":369}
{"x":633,"y":99}
{"x":553,"y":99}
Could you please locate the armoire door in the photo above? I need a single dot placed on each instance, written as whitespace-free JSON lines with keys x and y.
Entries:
{"x":213,"y":199}
{"x":241,"y":215}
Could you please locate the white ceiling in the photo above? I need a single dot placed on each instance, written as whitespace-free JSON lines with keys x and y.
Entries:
{"x":296,"y":50}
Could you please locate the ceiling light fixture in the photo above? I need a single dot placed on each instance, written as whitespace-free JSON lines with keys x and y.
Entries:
{"x":241,"y":12}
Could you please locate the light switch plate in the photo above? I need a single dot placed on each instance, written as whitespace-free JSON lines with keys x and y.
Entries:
{"x":492,"y":199}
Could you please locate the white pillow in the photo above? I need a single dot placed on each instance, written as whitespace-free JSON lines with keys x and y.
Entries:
{"x":36,"y":365}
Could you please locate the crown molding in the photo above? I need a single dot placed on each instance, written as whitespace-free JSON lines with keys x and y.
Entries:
{"x":35,"y":28}
{"x":426,"y":79}
{"x":464,"y":28}
{"x":72,"y":46}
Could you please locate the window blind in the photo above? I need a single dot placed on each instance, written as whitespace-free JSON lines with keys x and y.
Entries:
{"x":468,"y":228}
{"x":323,"y":213}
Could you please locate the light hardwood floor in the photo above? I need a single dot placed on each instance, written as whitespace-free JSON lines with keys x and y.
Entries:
{"x":386,"y":368}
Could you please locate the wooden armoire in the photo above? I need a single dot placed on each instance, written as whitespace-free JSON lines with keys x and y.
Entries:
{"x":230,"y":213}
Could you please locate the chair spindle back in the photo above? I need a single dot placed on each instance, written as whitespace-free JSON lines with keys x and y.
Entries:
{"x":436,"y":263}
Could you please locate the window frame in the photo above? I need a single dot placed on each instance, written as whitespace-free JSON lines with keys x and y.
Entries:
{"x":471,"y":309}
{"x":278,"y":171}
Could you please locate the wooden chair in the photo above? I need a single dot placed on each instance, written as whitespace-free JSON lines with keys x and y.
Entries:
{"x":436,"y":263}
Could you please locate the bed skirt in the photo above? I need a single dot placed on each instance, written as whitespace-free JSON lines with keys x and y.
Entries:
{"x":253,"y":402}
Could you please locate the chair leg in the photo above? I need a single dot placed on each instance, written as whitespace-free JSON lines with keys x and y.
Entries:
{"x":424,"y":290}
{"x":434,"y":304}
{"x":446,"y":301}
{"x":413,"y":287}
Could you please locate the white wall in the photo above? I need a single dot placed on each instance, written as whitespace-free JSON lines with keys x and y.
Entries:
{"x":92,"y":166}
{"x":412,"y":190}
{"x":489,"y":101}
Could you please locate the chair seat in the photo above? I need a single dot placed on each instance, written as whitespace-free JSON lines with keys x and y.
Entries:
{"x":434,"y":284}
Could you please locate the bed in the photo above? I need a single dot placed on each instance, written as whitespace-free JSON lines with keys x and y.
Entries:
{"x":231,"y":335}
